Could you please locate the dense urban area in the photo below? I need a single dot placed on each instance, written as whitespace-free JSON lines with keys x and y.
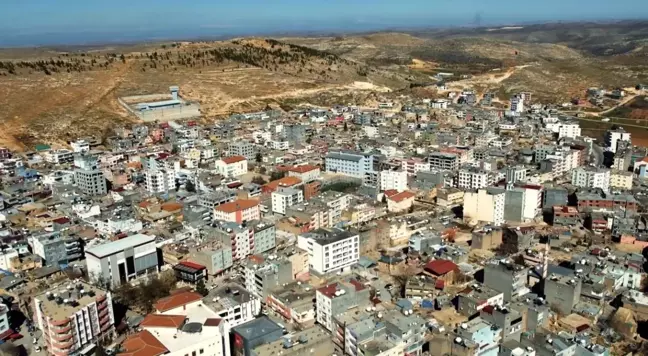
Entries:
{"x":415,"y":227}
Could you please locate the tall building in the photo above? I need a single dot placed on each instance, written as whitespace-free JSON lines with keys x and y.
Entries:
{"x":570,"y":130}
{"x":506,"y":277}
{"x":472,"y":178}
{"x":242,"y":148}
{"x":337,"y":298}
{"x":485,"y":205}
{"x":91,"y":182}
{"x":442,"y":160}
{"x":73,"y":316}
{"x":286,"y":197}
{"x":252,"y":237}
{"x":330,"y":250}
{"x":515,"y":174}
{"x":517,"y":104}
{"x":354,"y":164}
{"x":123,"y":260}
{"x":562,"y":292}
{"x":393,"y":180}
{"x":159,"y":180}
{"x":591,"y":177}
{"x":613,"y":137}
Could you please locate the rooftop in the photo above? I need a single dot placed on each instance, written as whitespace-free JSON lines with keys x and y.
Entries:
{"x":233,"y":159}
{"x":227,"y":296}
{"x":237,"y":205}
{"x":64,"y":300}
{"x":176,"y":300}
{"x":257,"y":328}
{"x":114,"y":247}
{"x":325,"y":237}
{"x":143,"y":344}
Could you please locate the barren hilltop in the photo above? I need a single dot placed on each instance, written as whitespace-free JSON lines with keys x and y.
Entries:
{"x":57,"y":94}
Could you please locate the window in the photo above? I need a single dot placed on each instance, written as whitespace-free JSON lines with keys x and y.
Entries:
{"x":193,"y":353}
{"x":201,"y":351}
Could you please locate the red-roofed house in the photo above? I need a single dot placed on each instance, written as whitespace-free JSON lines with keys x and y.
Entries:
{"x":143,"y":344}
{"x":174,"y":304}
{"x":238,"y":211}
{"x":444,"y":270}
{"x":233,"y":166}
{"x":163,"y":321}
{"x":307,"y":173}
{"x":400,"y":201}
{"x":287,"y":182}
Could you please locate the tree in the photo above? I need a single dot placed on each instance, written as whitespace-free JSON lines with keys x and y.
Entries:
{"x":259,"y":157}
{"x":190,"y":186}
{"x":277,"y":175}
{"x":175,"y":149}
{"x":263,"y":170}
{"x":201,"y":288}
{"x":258,"y":180}
{"x":346,"y":126}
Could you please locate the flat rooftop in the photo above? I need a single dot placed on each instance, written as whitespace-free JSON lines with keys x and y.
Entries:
{"x":376,"y":346}
{"x":226,"y":297}
{"x":114,"y":247}
{"x":312,"y":341}
{"x":53,"y":302}
{"x":201,"y":324}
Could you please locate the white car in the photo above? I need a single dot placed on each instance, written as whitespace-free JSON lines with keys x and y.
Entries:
{"x":37,"y":348}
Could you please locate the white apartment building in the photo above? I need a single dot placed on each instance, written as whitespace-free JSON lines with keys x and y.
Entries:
{"x":279,"y":145}
{"x":238,"y":211}
{"x":413,"y":166}
{"x":613,"y":137}
{"x":330,"y":250}
{"x":233,"y":303}
{"x":233,"y":166}
{"x":59,"y":156}
{"x":181,"y":326}
{"x":285,"y":197}
{"x":370,"y":131}
{"x":307,"y":173}
{"x":123,"y":260}
{"x":517,"y":104}
{"x":571,"y":130}
{"x":5,"y":259}
{"x":80,"y":146}
{"x":261,"y":137}
{"x":621,"y":180}
{"x":475,"y":179}
{"x":159,"y":180}
{"x":485,"y":205}
{"x":591,"y":177}
{"x":393,"y":180}
{"x":112,"y":226}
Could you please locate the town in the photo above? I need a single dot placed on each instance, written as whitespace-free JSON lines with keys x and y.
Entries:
{"x":413,"y":227}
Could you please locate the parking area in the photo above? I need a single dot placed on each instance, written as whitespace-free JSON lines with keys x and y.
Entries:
{"x":27,"y":341}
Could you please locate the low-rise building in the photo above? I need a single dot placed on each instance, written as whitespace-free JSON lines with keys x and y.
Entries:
{"x":232,"y":166}
{"x":238,"y":211}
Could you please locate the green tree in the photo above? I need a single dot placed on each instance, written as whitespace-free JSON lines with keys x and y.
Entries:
{"x":259,"y":157}
{"x":346,"y":126}
{"x":277,"y":175}
{"x":258,"y":180}
{"x":190,"y":186}
{"x":201,"y":288}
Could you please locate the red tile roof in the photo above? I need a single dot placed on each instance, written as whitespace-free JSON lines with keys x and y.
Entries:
{"x":237,"y":205}
{"x":358,"y":286}
{"x":233,"y":159}
{"x":391,"y":192}
{"x":62,"y":220}
{"x":192,"y":265}
{"x":440,"y":267}
{"x":303,"y":169}
{"x":281,"y":182}
{"x":176,"y":300}
{"x":212,"y":322}
{"x":163,"y":321}
{"x":143,"y":344}
{"x":401,"y":196}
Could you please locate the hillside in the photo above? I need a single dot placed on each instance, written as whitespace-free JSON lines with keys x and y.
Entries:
{"x":53,"y":95}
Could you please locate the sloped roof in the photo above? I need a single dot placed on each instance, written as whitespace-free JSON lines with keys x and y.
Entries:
{"x":401,"y":196}
{"x":303,"y":168}
{"x":233,"y":159}
{"x":237,"y":205}
{"x":143,"y":344}
{"x":163,"y":321}
{"x":176,"y":300}
{"x":440,"y":267}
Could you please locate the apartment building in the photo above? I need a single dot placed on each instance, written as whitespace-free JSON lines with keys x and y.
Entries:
{"x":91,"y":182}
{"x":569,"y":130}
{"x":263,"y":275}
{"x":330,"y":250}
{"x":284,"y":198}
{"x":307,"y":173}
{"x":336,"y":298}
{"x":159,"y":181}
{"x":238,"y":211}
{"x":242,"y":148}
{"x":61,"y":156}
{"x":591,"y":177}
{"x":232,"y":166}
{"x":233,"y":303}
{"x":393,"y":180}
{"x":486,"y":205}
{"x":55,"y":249}
{"x":354,"y":164}
{"x":73,"y":316}
{"x":444,"y":161}
{"x":473,"y":178}
{"x":414,"y":165}
{"x":251,"y":237}
{"x":124,"y":260}
{"x":614,"y":137}
{"x":621,"y":180}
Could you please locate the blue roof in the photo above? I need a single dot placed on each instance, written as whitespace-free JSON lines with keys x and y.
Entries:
{"x":404,"y":304}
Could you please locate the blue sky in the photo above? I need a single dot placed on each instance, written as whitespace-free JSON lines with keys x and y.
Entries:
{"x":69,"y":21}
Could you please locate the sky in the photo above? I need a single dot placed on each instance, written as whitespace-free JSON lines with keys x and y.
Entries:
{"x":41,"y":22}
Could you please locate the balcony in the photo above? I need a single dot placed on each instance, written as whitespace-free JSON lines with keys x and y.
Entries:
{"x":105,"y":319}
{"x":103,"y":313}
{"x":62,"y":337}
{"x":63,"y":345}
{"x":101,"y":306}
{"x":101,"y":298}
{"x":60,"y":322}
{"x":106,"y":327}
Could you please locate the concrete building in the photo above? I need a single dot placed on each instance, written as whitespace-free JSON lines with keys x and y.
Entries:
{"x":73,"y":316}
{"x":408,"y":329}
{"x":621,"y":180}
{"x":159,"y":181}
{"x":515,"y":174}
{"x":242,"y":148}
{"x":80,"y":146}
{"x":216,"y":258}
{"x":449,"y":197}
{"x":393,"y":180}
{"x":313,"y":341}
{"x":238,"y":211}
{"x":233,"y":303}
{"x":307,"y":173}
{"x":213,"y":199}
{"x":473,"y":178}
{"x":556,"y":196}
{"x":486,"y":205}
{"x":354,"y":164}
{"x":330,"y":250}
{"x":284,"y":198}
{"x":477,"y":296}
{"x":61,"y":156}
{"x":233,"y":166}
{"x":517,"y":104}
{"x":180,"y":325}
{"x":479,"y":335}
{"x":569,"y":130}
{"x":123,"y":260}
{"x":252,"y":237}
{"x":91,"y":182}
{"x":55,"y":249}
{"x":444,"y":161}
{"x":253,"y":335}
{"x":337,"y":298}
{"x":613,"y":137}
{"x":506,"y":277}
{"x":562,"y":293}
{"x":263,"y":275}
{"x":591,"y":177}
